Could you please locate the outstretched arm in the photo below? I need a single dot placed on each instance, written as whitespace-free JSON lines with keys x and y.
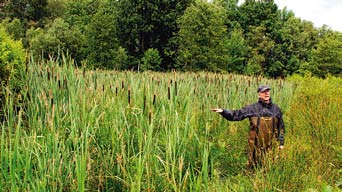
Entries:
{"x":232,"y":115}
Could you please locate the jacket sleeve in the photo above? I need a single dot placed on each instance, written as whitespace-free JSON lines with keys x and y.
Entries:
{"x":281,"y":127}
{"x":236,"y":115}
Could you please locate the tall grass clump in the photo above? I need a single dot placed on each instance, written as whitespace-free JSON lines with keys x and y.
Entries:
{"x":98,"y":130}
{"x":316,"y":120}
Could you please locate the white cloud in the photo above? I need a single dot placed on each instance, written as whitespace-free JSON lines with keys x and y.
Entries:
{"x":319,"y":12}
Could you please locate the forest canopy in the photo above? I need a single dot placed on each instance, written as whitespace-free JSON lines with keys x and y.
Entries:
{"x":252,"y":38}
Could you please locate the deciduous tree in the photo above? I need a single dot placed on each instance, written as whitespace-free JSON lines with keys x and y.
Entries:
{"x":327,"y":55}
{"x":203,"y":38}
{"x":150,"y":24}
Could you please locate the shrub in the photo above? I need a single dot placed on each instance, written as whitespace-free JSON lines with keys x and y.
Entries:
{"x":57,"y":37}
{"x":15,"y":28}
{"x":12,"y":63}
{"x":151,"y":60}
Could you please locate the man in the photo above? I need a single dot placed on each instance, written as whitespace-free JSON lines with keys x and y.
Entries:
{"x":266,"y":124}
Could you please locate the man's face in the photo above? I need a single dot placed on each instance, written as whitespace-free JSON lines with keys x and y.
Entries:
{"x":265,"y":96}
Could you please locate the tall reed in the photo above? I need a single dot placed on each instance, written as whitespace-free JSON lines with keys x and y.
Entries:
{"x":124,"y":131}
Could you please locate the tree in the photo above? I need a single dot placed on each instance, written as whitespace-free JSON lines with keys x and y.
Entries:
{"x":237,"y":52}
{"x":254,"y":13}
{"x":232,"y":13}
{"x":79,"y":13}
{"x":14,"y":27}
{"x":327,"y":55}
{"x":56,"y":8}
{"x":34,"y":10}
{"x":203,"y":38}
{"x":261,"y":23}
{"x":3,"y":6}
{"x":260,"y":46}
{"x":102,"y":36}
{"x":12,"y":58}
{"x":56,"y":38}
{"x":150,"y":24}
{"x":151,"y":60}
{"x":12,"y":65}
{"x":295,"y":42}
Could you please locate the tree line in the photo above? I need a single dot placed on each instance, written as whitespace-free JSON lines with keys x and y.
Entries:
{"x":252,"y":38}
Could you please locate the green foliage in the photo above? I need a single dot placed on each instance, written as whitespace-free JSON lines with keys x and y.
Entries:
{"x":14,"y":27}
{"x":315,"y":120}
{"x":259,"y":13}
{"x":203,"y":38}
{"x":58,"y":37}
{"x":327,"y":55}
{"x":237,"y":52}
{"x":254,"y":37}
{"x":279,"y":42}
{"x":229,"y":5}
{"x":151,"y":60}
{"x":34,"y":10}
{"x":253,"y":66}
{"x":12,"y":66}
{"x":150,"y":24}
{"x":260,"y":45}
{"x":121,"y":59}
{"x":297,"y":40}
{"x":12,"y":59}
{"x":56,"y":8}
{"x":126,"y":131}
{"x":260,"y":21}
{"x":79,"y":13}
{"x":102,"y":36}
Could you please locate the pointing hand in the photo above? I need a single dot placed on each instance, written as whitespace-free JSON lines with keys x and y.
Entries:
{"x":217,"y":110}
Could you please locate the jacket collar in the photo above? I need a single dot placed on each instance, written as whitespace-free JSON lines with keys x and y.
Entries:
{"x":268,"y":105}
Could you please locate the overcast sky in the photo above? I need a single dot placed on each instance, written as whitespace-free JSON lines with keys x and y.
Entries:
{"x":319,"y":12}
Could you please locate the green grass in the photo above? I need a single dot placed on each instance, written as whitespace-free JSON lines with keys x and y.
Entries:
{"x":125,"y":131}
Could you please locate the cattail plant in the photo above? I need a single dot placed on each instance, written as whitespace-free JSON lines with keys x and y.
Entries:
{"x":169,"y":92}
{"x":129,"y":95}
{"x":79,"y":139}
{"x":65,"y":82}
{"x":150,"y":116}
{"x":154,"y":98}
{"x":144,"y":106}
{"x":176,"y":88}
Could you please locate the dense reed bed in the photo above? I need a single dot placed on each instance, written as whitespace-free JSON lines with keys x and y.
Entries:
{"x":81,"y":130}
